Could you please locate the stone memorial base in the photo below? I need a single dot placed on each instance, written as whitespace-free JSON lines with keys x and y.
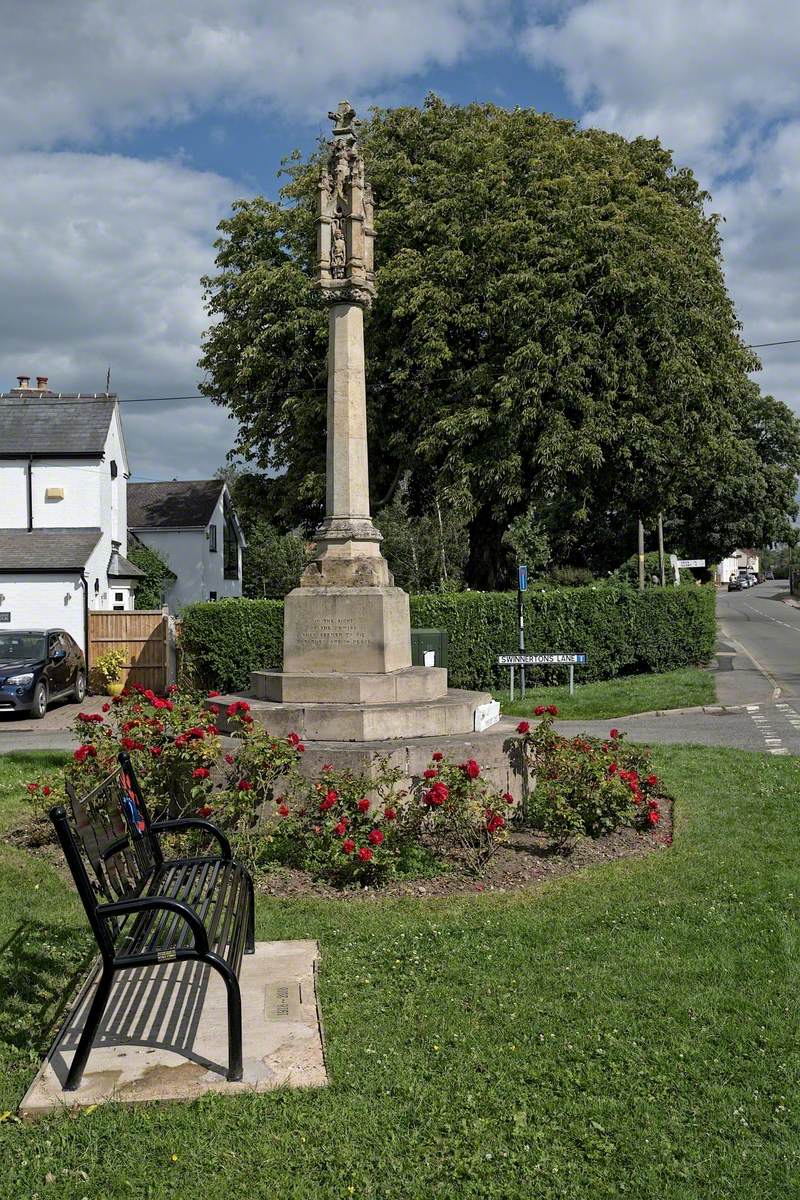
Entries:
{"x":346,"y":629}
{"x":413,"y":685}
{"x":454,"y":712}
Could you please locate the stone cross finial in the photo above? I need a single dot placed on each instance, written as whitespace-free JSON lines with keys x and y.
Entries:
{"x":344,"y":121}
{"x":344,"y":217}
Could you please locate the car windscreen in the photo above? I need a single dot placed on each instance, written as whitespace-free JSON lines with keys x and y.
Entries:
{"x":22,"y":647}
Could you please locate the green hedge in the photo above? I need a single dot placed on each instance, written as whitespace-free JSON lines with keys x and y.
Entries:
{"x":621,"y":631}
{"x":223,"y":641}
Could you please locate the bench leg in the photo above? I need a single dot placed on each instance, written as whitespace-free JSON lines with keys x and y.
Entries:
{"x":98,"y":1006}
{"x":250,"y":943}
{"x":235,"y":1065}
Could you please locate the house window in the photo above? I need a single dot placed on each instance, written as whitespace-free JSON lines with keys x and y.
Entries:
{"x":230,"y":544}
{"x":113,"y":469}
{"x":212,"y":595}
{"x":212,"y":538}
{"x":119,"y":596}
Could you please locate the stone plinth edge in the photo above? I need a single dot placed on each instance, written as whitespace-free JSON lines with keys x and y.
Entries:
{"x":413,"y":684}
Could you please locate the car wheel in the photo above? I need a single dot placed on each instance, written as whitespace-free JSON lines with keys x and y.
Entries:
{"x":79,"y":691}
{"x":39,"y":707}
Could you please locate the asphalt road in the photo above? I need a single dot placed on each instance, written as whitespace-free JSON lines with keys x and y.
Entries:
{"x":757,"y":673}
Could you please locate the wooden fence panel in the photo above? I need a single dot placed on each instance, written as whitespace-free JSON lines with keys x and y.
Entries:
{"x":141,"y":636}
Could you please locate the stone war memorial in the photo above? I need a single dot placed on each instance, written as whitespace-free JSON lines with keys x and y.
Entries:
{"x":347,"y":686}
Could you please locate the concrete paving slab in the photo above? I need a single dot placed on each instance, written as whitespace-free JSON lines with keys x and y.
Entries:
{"x":164,"y":1035}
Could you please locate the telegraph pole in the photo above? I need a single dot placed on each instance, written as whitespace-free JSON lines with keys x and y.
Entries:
{"x":661,"y":548}
{"x":641,"y":555}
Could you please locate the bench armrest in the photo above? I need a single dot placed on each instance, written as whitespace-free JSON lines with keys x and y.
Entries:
{"x":124,"y":908}
{"x":180,"y":823}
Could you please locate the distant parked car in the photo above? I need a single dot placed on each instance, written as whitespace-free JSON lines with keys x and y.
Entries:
{"x":769,"y":573}
{"x":735,"y":584}
{"x":38,"y":666}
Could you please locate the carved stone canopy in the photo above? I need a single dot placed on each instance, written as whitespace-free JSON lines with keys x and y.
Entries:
{"x":345,"y":232}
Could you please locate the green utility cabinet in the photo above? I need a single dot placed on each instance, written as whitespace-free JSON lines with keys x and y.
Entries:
{"x":431,"y":641}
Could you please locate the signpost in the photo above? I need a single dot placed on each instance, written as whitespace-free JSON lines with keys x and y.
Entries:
{"x":522,"y":586}
{"x":691,"y":562}
{"x":538,"y":660}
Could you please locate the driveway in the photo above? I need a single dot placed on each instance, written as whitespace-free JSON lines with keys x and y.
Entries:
{"x":19,"y":732}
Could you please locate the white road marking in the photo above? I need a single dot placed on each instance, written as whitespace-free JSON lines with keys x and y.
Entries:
{"x":773,"y":743}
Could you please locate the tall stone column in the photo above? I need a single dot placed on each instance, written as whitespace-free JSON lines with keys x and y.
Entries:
{"x":346,"y":616}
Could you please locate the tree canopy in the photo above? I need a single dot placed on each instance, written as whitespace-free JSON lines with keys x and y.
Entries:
{"x":552,"y":343}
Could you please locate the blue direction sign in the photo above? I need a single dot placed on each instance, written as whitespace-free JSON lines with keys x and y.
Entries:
{"x":523,"y":579}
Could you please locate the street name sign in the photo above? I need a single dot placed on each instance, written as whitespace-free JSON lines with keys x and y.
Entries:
{"x":691,"y":562}
{"x":540,"y":660}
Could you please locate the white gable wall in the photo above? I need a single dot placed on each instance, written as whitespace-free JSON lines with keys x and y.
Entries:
{"x":80,"y":481}
{"x":199,"y":570}
{"x":13,"y":494}
{"x":40,"y":602}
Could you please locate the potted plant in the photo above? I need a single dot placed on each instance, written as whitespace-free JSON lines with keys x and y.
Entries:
{"x":109,"y":668}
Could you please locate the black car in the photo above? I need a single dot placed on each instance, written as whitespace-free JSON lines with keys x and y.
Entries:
{"x":37,"y":666}
{"x":735,"y":584}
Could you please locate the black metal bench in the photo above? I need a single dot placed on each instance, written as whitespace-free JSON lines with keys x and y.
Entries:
{"x":145,"y":908}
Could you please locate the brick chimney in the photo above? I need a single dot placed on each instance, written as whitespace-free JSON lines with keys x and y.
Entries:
{"x":23,"y":382}
{"x":41,"y":383}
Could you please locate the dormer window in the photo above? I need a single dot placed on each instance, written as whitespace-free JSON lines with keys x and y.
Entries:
{"x":113,"y":469}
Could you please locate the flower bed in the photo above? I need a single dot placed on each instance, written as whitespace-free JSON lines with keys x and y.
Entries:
{"x":341,"y":829}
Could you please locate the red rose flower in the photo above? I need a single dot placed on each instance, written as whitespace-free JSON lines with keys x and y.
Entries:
{"x":348,"y":845}
{"x":326,"y":767}
{"x":214,"y":709}
{"x":212,"y":694}
{"x":653,"y":817}
{"x":375,"y":837}
{"x":539,"y":711}
{"x":431,"y":773}
{"x":33,"y":787}
{"x":127,"y":743}
{"x":436,"y":796}
{"x":390,"y":814}
{"x":300,"y":748}
{"x":238,"y":706}
{"x":46,"y":790}
{"x":652,"y":781}
{"x":283,"y":810}
{"x":523,"y":727}
{"x":551,"y":708}
{"x":363,"y":804}
{"x":205,"y":811}
{"x":612,"y":770}
{"x":494,"y":823}
{"x":341,"y":829}
{"x":328,"y":802}
{"x":245,"y":785}
{"x":106,"y":707}
{"x":365,"y":854}
{"x":168,"y":705}
{"x":181,"y":739}
{"x":471,"y":769}
{"x":614,"y":734}
{"x":437,"y":756}
{"x":509,"y":799}
{"x":293,"y":739}
{"x":229,"y":759}
{"x":200,"y":773}
{"x":155,"y":750}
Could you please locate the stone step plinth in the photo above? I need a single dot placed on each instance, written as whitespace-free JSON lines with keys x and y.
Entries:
{"x":410,"y":686}
{"x":453,"y":713}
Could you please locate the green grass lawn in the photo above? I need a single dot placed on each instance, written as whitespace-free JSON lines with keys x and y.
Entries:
{"x":618,"y":697}
{"x":629,"y":1031}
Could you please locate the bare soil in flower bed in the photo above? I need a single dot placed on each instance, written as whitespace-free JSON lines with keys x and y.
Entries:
{"x":524,"y":860}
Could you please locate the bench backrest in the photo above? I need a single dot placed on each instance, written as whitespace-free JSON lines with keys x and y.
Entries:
{"x":107,"y":840}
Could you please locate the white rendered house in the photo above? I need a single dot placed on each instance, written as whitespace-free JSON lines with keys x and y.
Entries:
{"x":194,"y":528}
{"x":740,"y":560}
{"x":63,"y":511}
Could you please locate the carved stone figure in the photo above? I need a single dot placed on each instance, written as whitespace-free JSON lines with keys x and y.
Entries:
{"x":344,"y":218}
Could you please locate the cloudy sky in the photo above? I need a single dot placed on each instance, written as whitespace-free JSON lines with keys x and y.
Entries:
{"x":126,"y":130}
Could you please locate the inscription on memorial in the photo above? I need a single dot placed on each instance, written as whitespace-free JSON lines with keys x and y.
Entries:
{"x":321,"y":632}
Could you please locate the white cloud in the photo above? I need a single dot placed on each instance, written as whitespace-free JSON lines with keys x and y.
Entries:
{"x":100,"y":262}
{"x":75,"y":68}
{"x":717,"y":82}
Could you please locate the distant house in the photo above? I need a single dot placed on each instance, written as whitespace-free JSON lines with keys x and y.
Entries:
{"x":63,"y":518}
{"x":194,"y":528}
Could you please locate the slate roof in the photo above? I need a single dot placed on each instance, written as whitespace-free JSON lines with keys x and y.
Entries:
{"x":120,"y":568}
{"x":46,"y":549}
{"x":176,"y":505}
{"x":54,"y":423}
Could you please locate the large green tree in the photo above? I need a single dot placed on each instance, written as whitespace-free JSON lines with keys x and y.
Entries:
{"x":552,"y":335}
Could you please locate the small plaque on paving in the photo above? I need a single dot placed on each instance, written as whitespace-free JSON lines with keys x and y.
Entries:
{"x":283,"y":1001}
